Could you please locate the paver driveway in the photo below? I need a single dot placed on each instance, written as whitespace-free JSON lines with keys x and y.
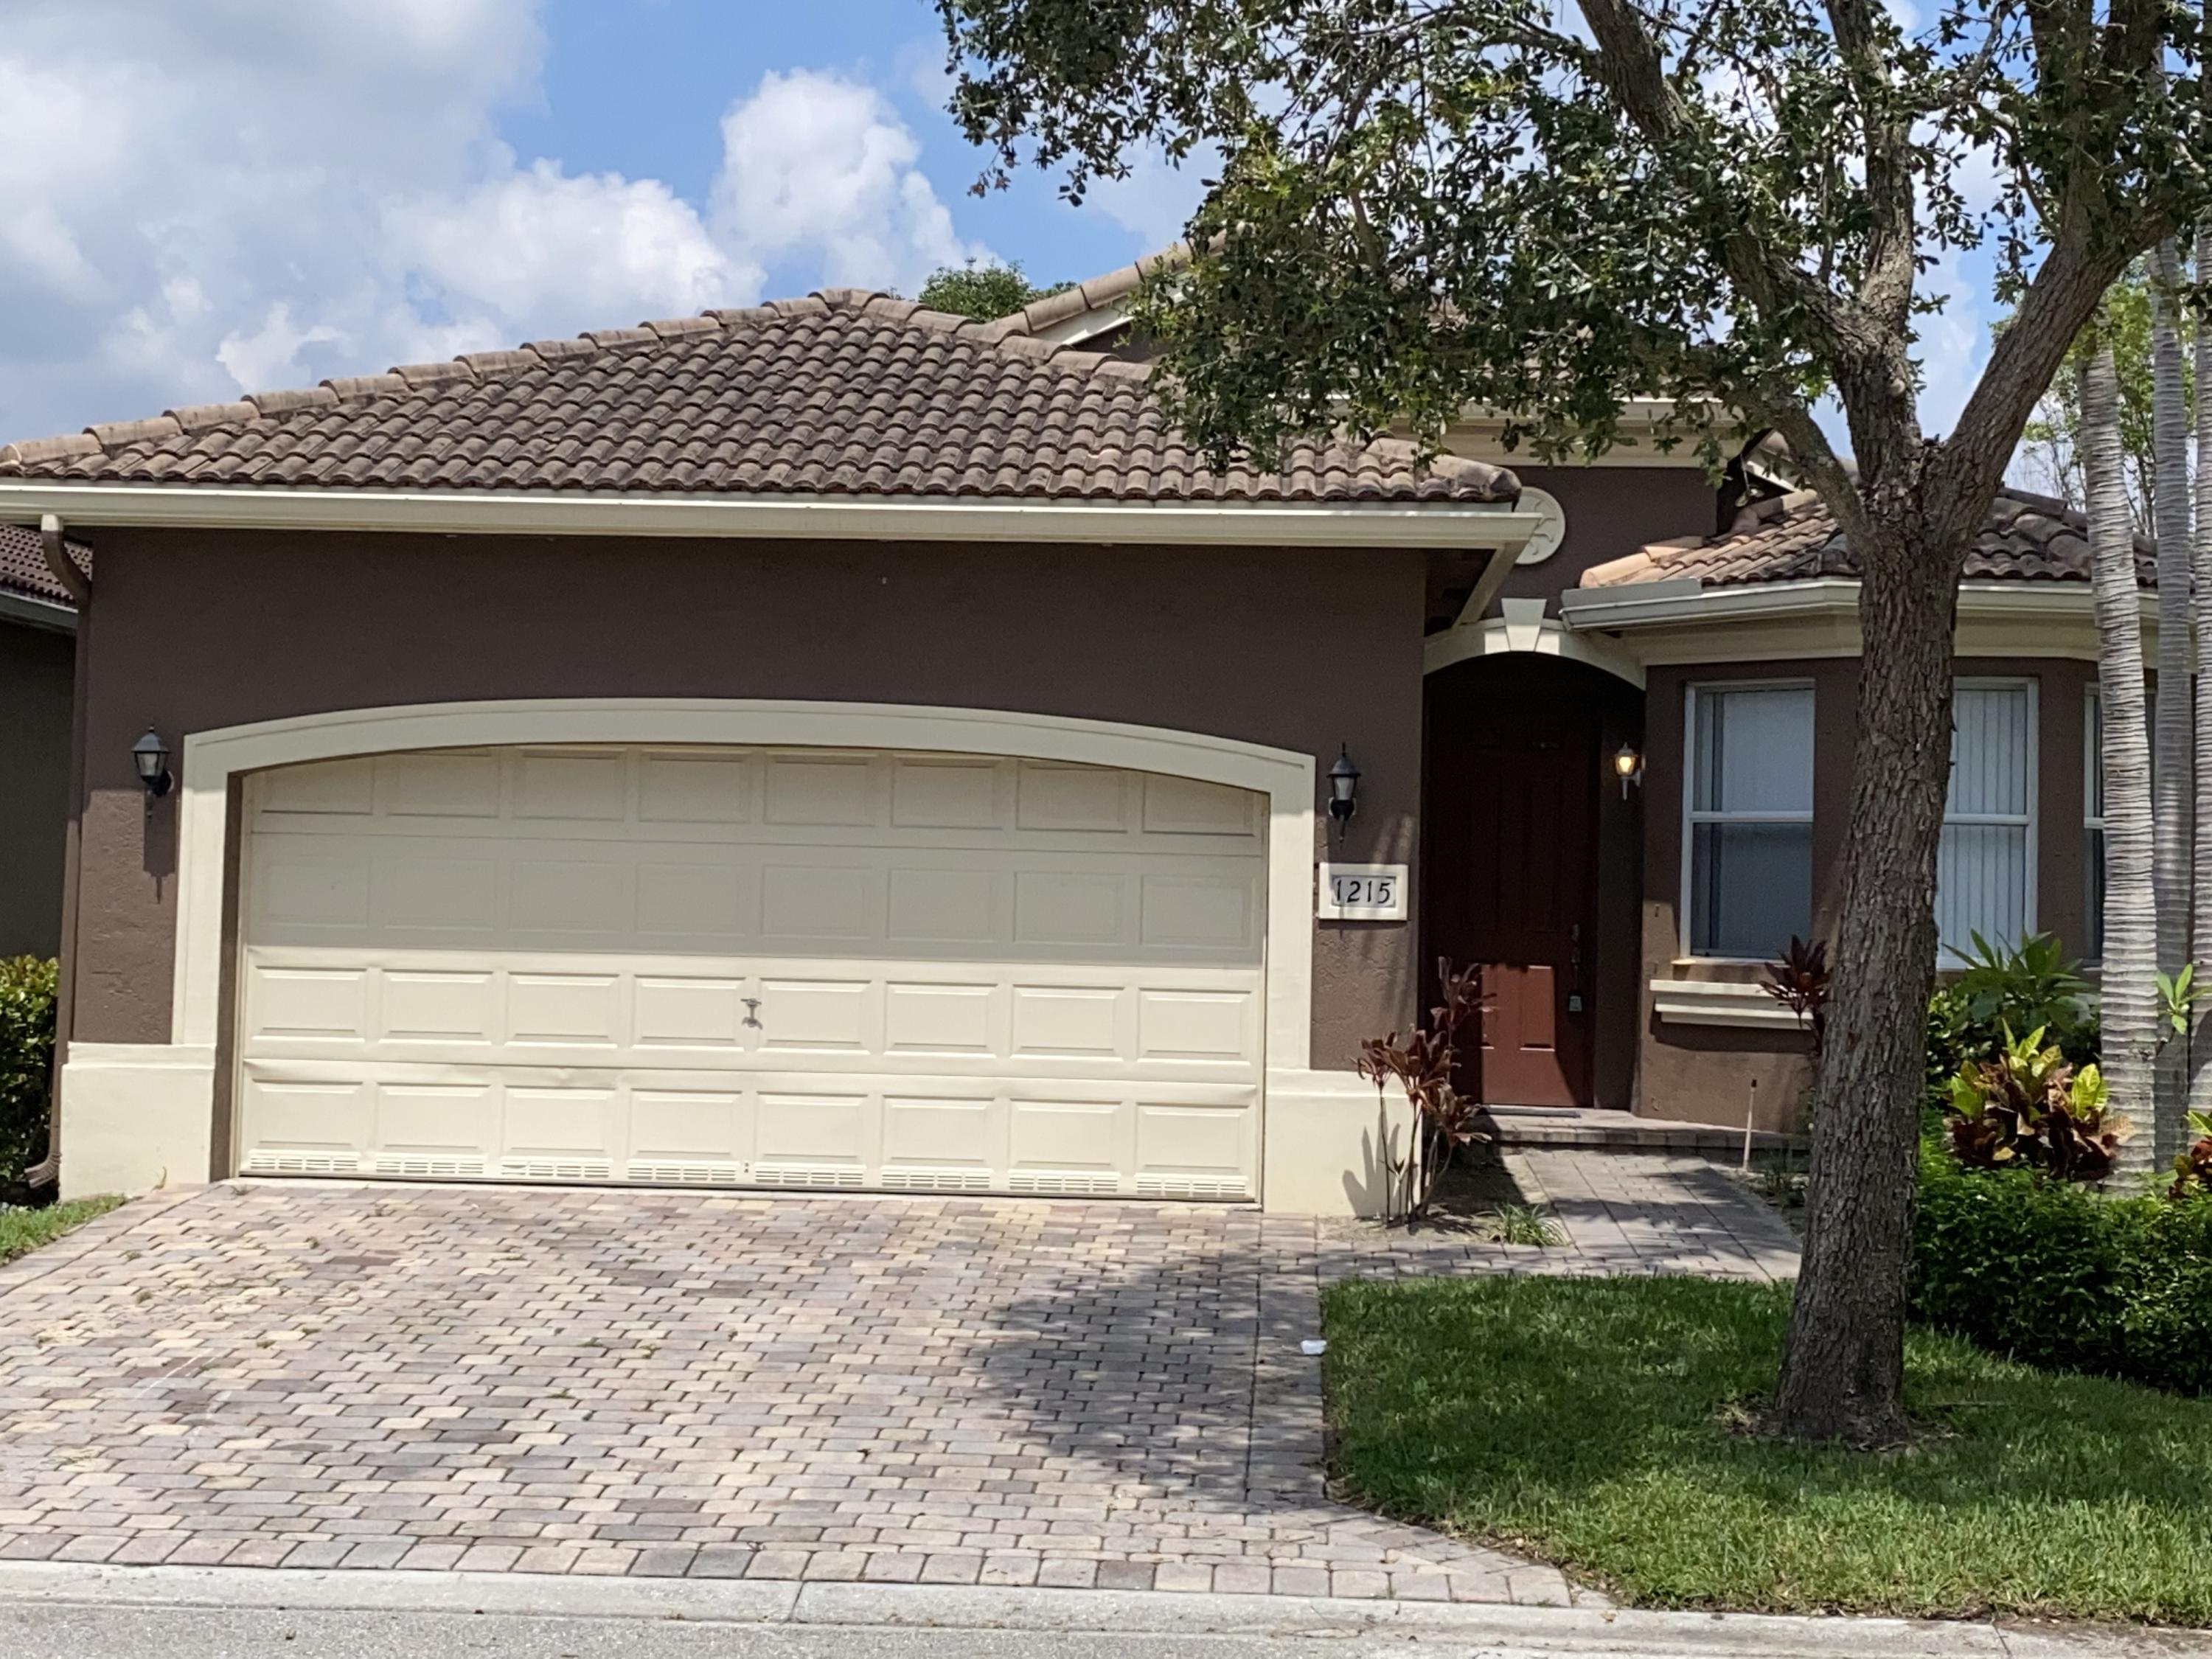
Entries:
{"x":942,"y":1390}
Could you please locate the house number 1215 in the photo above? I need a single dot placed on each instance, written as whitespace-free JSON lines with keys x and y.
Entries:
{"x":1361,"y":892}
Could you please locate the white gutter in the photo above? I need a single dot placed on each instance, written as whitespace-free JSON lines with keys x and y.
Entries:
{"x":580,"y":513}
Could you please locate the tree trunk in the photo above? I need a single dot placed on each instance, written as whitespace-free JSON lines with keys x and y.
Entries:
{"x":2130,"y":1002}
{"x":2200,"y":1045}
{"x":2173,"y":792}
{"x":1843,"y":1370}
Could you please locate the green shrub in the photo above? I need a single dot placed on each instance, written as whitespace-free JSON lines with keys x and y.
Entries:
{"x":26,"y":1052}
{"x":2034,"y":985}
{"x":2050,"y":1273}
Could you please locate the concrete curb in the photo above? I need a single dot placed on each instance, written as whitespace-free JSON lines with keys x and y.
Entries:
{"x":1500,"y":1629}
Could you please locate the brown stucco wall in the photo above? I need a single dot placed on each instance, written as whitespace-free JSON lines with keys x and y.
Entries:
{"x":1301,"y":649}
{"x":1611,"y":511}
{"x":1703,"y":1072}
{"x":36,"y":675}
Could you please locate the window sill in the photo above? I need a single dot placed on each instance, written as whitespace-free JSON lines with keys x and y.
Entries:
{"x":1720,"y":1002}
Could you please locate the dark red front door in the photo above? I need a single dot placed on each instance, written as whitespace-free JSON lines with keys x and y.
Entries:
{"x":1511,"y":868}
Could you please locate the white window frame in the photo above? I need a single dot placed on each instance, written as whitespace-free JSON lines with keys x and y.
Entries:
{"x":2031,"y":862}
{"x":1691,"y":817}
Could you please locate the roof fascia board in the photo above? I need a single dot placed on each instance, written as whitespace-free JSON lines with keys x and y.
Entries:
{"x":1439,"y":525}
{"x":1086,"y":324}
{"x":1776,"y":621}
{"x":36,"y":612}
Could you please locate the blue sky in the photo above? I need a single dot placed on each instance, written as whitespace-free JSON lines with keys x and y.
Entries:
{"x":205,"y":200}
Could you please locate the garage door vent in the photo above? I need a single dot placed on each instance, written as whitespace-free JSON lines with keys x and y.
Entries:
{"x":1066,"y":1183}
{"x":1192,"y":1186}
{"x":269,"y":1163}
{"x":428,"y":1166}
{"x":806,"y":1174}
{"x":687,"y":1172}
{"x":937,"y":1181}
{"x":560,"y":1168}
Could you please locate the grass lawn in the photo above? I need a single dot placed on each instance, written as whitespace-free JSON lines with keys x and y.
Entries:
{"x":23,"y":1230}
{"x":1586,"y":1422}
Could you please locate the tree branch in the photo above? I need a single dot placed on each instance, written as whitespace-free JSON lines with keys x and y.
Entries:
{"x":1630,"y":68}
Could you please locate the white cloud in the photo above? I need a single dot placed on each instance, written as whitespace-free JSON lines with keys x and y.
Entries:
{"x":1156,"y":200}
{"x":197,"y":201}
{"x":820,"y":169}
{"x":537,"y":244}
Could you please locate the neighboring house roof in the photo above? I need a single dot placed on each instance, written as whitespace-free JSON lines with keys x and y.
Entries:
{"x":1794,"y":538}
{"x":24,"y":570}
{"x":1094,"y":293}
{"x":846,"y":392}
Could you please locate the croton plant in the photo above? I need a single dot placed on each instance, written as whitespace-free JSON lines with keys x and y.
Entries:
{"x":2027,"y":1107}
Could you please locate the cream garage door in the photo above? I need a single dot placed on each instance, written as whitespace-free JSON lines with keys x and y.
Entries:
{"x":752,"y":968}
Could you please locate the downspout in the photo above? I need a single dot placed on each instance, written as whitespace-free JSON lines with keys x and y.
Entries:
{"x":47,"y":1172}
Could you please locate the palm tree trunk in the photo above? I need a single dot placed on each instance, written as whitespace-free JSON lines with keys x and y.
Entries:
{"x":2200,"y":1044}
{"x":2173,"y":792}
{"x":2131,"y":994}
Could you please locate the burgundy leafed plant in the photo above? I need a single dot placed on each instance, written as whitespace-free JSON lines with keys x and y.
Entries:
{"x":1800,"y":983}
{"x":1423,"y":1063}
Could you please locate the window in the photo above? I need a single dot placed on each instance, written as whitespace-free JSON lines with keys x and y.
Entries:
{"x":2092,"y":818}
{"x":1985,"y":869}
{"x":1749,"y":834}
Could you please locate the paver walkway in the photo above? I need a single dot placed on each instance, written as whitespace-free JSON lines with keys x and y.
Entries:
{"x":646,"y":1383}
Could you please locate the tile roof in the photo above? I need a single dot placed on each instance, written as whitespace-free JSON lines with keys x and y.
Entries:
{"x":24,"y":568}
{"x":846,"y":392}
{"x":1794,"y":538}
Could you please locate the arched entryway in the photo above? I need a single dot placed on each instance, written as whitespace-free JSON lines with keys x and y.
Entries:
{"x":1531,"y":855}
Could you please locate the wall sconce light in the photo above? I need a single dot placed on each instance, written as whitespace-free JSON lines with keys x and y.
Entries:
{"x":1343,"y":791}
{"x":151,"y":756}
{"x":1628,"y":767}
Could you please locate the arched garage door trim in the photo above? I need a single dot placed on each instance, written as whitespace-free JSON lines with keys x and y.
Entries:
{"x":212,"y":758}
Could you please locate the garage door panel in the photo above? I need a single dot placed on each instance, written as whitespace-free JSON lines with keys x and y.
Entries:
{"x":806,"y":905}
{"x":310,"y":1127}
{"x":1091,"y":1136}
{"x":571,"y":896}
{"x":325,"y":1005}
{"x":572,"y":786}
{"x":819,"y":790}
{"x":673,"y":1012}
{"x":419,"y":1005}
{"x":1072,"y":797}
{"x":930,"y":1019}
{"x":923,"y":1132}
{"x":704,"y":1128}
{"x":692,"y":900}
{"x":1185,"y":806}
{"x":801,"y":1134}
{"x":436,"y":1119}
{"x":1207,"y":913}
{"x":948,"y":794}
{"x":460,"y":784}
{"x":1081,"y":1021}
{"x":1217,"y":1027}
{"x":803,"y":968}
{"x":695,"y":789}
{"x":943,"y":906}
{"x":562,"y":1124}
{"x":1061,"y":907}
{"x":296,"y":892}
{"x":419,"y":890}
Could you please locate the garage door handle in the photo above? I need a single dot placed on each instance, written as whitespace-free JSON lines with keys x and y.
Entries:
{"x":752,"y":1011}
